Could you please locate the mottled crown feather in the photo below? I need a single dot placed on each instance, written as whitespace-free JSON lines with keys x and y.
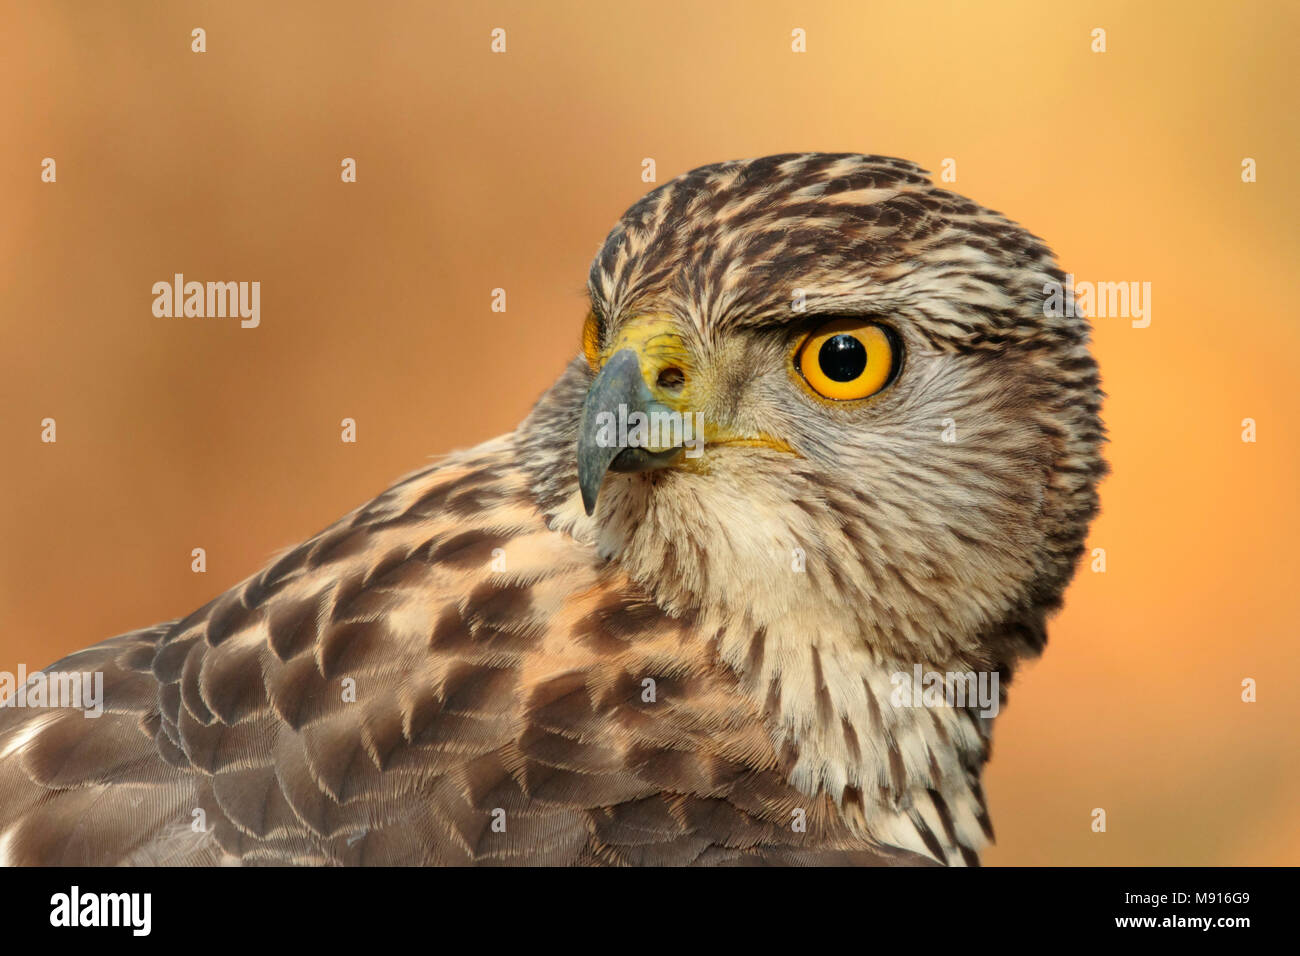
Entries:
{"x":733,"y":243}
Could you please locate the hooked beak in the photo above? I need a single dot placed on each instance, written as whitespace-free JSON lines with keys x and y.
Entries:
{"x":618,"y":391}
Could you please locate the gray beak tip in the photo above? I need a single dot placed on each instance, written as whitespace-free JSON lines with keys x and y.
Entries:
{"x":619,"y":382}
{"x":618,"y":389}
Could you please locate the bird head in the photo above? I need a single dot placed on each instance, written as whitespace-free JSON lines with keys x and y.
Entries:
{"x":852,"y":398}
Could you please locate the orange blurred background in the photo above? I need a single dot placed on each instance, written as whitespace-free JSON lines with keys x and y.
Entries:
{"x":479,"y":170}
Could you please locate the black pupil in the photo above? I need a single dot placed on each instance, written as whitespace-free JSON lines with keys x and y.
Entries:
{"x":842,"y":358}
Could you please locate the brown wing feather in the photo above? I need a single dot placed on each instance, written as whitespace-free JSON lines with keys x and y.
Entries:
{"x":477,"y":692}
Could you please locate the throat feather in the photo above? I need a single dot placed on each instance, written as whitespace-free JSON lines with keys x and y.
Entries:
{"x":904,"y":773}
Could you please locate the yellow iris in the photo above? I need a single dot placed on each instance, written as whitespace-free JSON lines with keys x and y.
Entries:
{"x":846,"y":359}
{"x":591,"y":341}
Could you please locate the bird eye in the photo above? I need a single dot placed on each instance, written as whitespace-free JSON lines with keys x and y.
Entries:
{"x":591,"y":340}
{"x":848,"y":358}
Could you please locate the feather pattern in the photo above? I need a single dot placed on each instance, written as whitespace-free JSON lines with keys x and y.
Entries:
{"x":469,"y":669}
{"x":477,"y":690}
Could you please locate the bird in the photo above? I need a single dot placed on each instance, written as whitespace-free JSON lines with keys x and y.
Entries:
{"x":591,"y":642}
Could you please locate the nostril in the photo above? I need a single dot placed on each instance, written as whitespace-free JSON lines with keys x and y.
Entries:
{"x":671,"y":379}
